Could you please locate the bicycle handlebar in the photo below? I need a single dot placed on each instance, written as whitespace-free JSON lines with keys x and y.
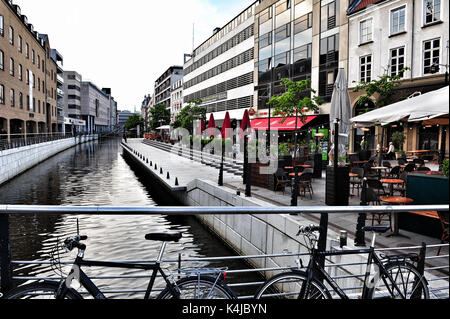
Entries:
{"x":74,"y":242}
{"x":308,"y":229}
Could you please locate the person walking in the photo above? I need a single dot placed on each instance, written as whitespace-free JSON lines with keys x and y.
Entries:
{"x":391,"y":151}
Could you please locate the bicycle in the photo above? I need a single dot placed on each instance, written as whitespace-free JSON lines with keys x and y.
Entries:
{"x":396,"y":278}
{"x":196,"y":284}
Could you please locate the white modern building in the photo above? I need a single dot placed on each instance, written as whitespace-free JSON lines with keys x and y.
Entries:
{"x":176,"y":102}
{"x":220,"y":70}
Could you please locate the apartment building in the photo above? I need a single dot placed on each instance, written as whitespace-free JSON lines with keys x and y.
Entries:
{"x":59,"y":60}
{"x":145,"y":111}
{"x":28,"y":77}
{"x":176,"y":102}
{"x":220,"y":70}
{"x":299,"y":40}
{"x":163,"y":85}
{"x":385,"y":36}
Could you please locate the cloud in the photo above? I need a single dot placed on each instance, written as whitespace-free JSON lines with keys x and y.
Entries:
{"x":126,"y":45}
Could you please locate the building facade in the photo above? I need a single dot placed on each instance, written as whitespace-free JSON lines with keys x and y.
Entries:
{"x":299,"y":40}
{"x":59,"y":60}
{"x":176,"y":102}
{"x":73,"y":118}
{"x":28,"y":77}
{"x":164,"y":83}
{"x":384,"y":38}
{"x":220,"y":70}
{"x":95,"y":108}
{"x":145,"y":111}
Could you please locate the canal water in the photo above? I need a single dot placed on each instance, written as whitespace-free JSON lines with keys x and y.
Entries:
{"x":96,"y":174}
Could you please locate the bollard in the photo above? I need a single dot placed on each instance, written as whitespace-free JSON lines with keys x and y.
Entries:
{"x":5,"y":255}
{"x":168,"y":175}
{"x":360,"y":234}
{"x":151,"y":163}
{"x":161,"y":171}
{"x":176,"y":182}
{"x":343,"y":238}
{"x":221,"y":170}
{"x":156,"y":167}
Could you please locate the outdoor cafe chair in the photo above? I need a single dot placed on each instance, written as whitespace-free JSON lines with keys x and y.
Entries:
{"x":377,"y":186}
{"x":395,"y":172}
{"x":419,"y":162}
{"x":357,"y":181}
{"x":401,"y":162}
{"x":402,"y":187}
{"x":443,"y":217}
{"x":423,"y":169}
{"x":411,"y":167}
{"x":372,"y":197}
{"x":305,"y":184}
{"x":281,"y":180}
{"x":368,"y":172}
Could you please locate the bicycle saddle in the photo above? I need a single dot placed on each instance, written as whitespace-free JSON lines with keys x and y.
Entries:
{"x":175,"y":237}
{"x":377,"y":229}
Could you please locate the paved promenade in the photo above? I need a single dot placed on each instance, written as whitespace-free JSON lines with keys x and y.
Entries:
{"x":187,"y":170}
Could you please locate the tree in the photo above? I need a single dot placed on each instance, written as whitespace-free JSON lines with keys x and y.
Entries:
{"x":186,"y":117}
{"x":133,"y":121}
{"x":381,"y":90}
{"x":159,"y":116}
{"x":296,"y":101}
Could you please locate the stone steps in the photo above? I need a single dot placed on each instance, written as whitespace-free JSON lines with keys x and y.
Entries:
{"x":230,"y":166}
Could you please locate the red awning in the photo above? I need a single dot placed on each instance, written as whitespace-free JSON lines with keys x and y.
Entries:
{"x":287,"y":125}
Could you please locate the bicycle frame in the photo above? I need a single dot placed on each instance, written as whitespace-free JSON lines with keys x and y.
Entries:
{"x":87,"y":283}
{"x":314,"y":269}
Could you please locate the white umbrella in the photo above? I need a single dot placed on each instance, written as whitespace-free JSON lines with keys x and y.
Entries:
{"x":420,"y":108}
{"x":341,"y":109}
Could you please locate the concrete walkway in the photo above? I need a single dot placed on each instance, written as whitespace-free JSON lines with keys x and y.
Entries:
{"x":187,"y":171}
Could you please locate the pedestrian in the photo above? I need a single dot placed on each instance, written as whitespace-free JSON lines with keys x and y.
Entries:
{"x":235,"y":151}
{"x":125,"y":137}
{"x":391,"y":151}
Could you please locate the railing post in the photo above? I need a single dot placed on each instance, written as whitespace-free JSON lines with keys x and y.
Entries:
{"x":5,"y":255}
{"x":295,"y":190}
{"x":421,"y":269}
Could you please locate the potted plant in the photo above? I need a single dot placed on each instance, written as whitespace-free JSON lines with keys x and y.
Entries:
{"x":445,"y":165}
{"x":398,"y":138}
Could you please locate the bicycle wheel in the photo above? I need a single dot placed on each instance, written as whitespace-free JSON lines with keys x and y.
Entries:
{"x":406,"y":277}
{"x":203,"y":288}
{"x":40,"y":290}
{"x":288,"y":286}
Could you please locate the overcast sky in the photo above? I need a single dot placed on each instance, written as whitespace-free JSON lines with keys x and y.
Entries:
{"x":126,"y":45}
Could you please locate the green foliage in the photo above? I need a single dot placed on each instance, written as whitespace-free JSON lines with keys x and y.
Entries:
{"x":160,"y":116}
{"x":445,"y":165}
{"x":283,"y":149}
{"x":398,"y":138}
{"x":296,"y":100}
{"x":191,"y":112}
{"x":382,"y":89}
{"x":133,"y":122}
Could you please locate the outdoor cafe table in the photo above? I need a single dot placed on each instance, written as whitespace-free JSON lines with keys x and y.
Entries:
{"x":397,"y":200}
{"x":391,"y":183}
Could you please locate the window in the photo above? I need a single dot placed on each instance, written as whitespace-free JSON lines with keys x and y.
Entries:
{"x":431,"y":56}
{"x":283,"y":32}
{"x":265,"y":40}
{"x":39,"y":62}
{"x":19,"y":43}
{"x":365,"y":31}
{"x":303,"y":23}
{"x":27,"y":51}
{"x":398,"y":20}
{"x":397,"y":61}
{"x":2,"y":60}
{"x":12,"y":97}
{"x":19,"y":69}
{"x":20,"y":100}
{"x":28,"y":76}
{"x":328,"y":16}
{"x":2,"y":94}
{"x":33,"y":58}
{"x":432,"y":11}
{"x":11,"y":35}
{"x":2,"y":24}
{"x":365,"y":67}
{"x":280,"y":8}
{"x":266,"y":15}
{"x":11,"y":66}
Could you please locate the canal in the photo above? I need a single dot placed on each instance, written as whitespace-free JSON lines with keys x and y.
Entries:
{"x":96,"y":174}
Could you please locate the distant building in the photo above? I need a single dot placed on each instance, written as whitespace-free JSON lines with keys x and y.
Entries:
{"x":145,"y":111}
{"x":58,"y":58}
{"x":123,"y":116}
{"x":72,"y":102}
{"x":95,"y":108}
{"x":163,"y":85}
{"x":176,"y":102}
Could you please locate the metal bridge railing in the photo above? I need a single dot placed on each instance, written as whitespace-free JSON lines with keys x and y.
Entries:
{"x":437,"y":274}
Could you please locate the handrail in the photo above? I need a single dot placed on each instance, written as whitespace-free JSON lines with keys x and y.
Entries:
{"x":204,"y":210}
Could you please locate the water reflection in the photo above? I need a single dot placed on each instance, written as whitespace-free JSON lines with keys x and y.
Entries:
{"x":97,"y":174}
